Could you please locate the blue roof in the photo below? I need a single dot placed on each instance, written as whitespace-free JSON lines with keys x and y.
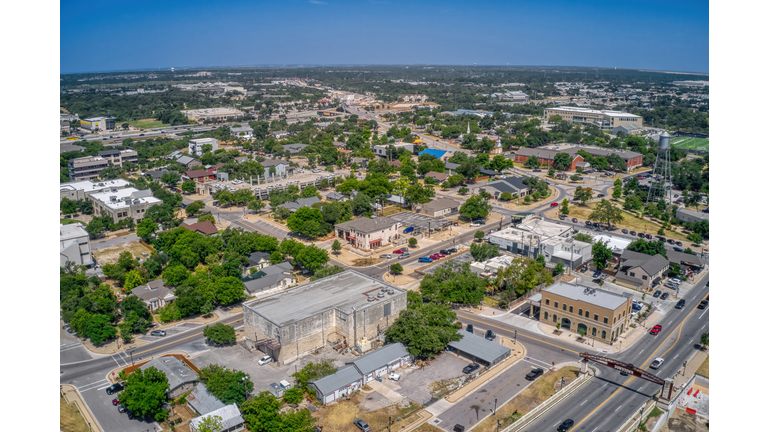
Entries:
{"x":434,"y":152}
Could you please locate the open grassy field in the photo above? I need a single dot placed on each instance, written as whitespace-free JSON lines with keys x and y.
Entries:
{"x":691,"y":143}
{"x":70,"y":419}
{"x":703,"y":370}
{"x":146,"y":123}
{"x":630,"y":222}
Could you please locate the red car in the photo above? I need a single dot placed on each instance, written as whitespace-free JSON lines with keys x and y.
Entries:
{"x":656,"y":329}
{"x":115,"y":401}
{"x":435,"y":256}
{"x":399,"y":251}
{"x":440,"y":255}
{"x":574,"y":220}
{"x":554,"y":204}
{"x":640,"y":178}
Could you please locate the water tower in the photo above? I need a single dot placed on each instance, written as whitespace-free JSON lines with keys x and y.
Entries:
{"x":661,"y":189}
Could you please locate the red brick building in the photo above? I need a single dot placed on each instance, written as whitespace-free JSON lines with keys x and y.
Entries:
{"x":546,"y":154}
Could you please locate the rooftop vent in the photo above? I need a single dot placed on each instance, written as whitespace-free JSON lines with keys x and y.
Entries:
{"x":113,"y":198}
{"x":381,"y":295}
{"x":114,"y":189}
{"x":371,"y":298}
{"x":136,"y":201}
{"x":391,"y":291}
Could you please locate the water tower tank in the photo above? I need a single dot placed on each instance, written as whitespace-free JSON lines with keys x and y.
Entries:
{"x":664,"y":141}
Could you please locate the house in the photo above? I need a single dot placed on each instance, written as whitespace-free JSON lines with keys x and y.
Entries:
{"x":231,"y":420}
{"x":188,"y":162}
{"x":154,"y":294}
{"x":299,"y":203}
{"x":381,"y":362}
{"x":280,"y":134}
{"x":241,"y":131}
{"x":514,"y":185}
{"x":294,"y":148}
{"x":74,"y":245}
{"x":181,"y":378}
{"x":200,"y":176}
{"x":155,"y":174}
{"x":333,"y":387}
{"x":202,"y":401}
{"x":241,"y":159}
{"x":335,"y":196}
{"x":440,"y":207}
{"x":256,"y":262}
{"x":641,"y":270}
{"x":276,"y":277}
{"x":439,"y":177}
{"x":367,"y":233}
{"x":281,"y":167}
{"x":205,"y":227}
{"x":691,"y":216}
{"x":685,"y":260}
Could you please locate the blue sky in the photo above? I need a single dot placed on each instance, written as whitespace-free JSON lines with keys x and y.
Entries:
{"x":141,"y":34}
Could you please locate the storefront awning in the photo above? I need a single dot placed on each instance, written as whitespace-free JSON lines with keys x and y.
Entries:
{"x":351,"y":237}
{"x":377,"y":240}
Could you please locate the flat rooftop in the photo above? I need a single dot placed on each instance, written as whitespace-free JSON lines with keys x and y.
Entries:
{"x":593,"y":296}
{"x":591,"y":111}
{"x":542,"y":227}
{"x":89,"y":186}
{"x":343,"y":291}
{"x":136,"y":197}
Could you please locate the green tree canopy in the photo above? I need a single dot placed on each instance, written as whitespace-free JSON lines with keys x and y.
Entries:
{"x":475,"y":208}
{"x":220,"y":333}
{"x":454,"y":283}
{"x":606,"y":212}
{"x":145,"y":392}
{"x":424,"y":330}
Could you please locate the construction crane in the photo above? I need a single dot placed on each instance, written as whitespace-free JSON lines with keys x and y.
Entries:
{"x":666,"y":393}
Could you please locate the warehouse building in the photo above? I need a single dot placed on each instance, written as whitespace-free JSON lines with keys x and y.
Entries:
{"x":220,"y":114}
{"x":347,"y":308}
{"x":479,"y":349}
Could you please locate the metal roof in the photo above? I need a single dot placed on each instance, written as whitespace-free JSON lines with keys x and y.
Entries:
{"x":177,"y":372}
{"x":480,"y":347}
{"x":379,"y":358}
{"x":343,"y":377}
{"x":593,"y":296}
{"x":230,"y":417}
{"x":202,"y":400}
{"x":368,"y":225}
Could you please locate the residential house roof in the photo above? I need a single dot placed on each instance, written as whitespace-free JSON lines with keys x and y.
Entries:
{"x":367,"y":225}
{"x":177,"y":372}
{"x":333,"y":195}
{"x":254,"y":285}
{"x":294,"y":148}
{"x":256,"y":258}
{"x":155,"y":289}
{"x":205,"y":227}
{"x":155,"y":174}
{"x":378,"y":358}
{"x":202,"y":401}
{"x":229,"y":414}
{"x":441,"y":204}
{"x":198,"y":173}
{"x":186,"y":160}
{"x":343,"y":377}
{"x":650,"y":264}
{"x":436,"y":175}
{"x":684,"y":258}
{"x":299,"y":203}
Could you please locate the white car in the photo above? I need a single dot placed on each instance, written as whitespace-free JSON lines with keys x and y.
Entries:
{"x":657,"y":362}
{"x":264,"y":360}
{"x":476,"y":224}
{"x":394,"y":376}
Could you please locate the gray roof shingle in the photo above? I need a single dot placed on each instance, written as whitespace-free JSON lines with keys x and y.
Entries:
{"x":378,"y":358}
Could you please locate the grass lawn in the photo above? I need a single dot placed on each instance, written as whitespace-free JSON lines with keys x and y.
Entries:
{"x":631,"y":222}
{"x":691,"y":143}
{"x":70,"y":419}
{"x":541,"y":390}
{"x":70,"y":221}
{"x":339,"y":417}
{"x":703,"y":370}
{"x":146,"y":123}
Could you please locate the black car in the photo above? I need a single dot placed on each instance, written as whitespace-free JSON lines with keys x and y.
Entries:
{"x":632,"y":233}
{"x":453,"y":250}
{"x":131,"y":415}
{"x":703,"y":304}
{"x":657,"y":293}
{"x":624,"y":231}
{"x":679,"y":243}
{"x":121,"y":409}
{"x":532,"y":375}
{"x":670,"y":241}
{"x":362,"y":425}
{"x":114,"y":388}
{"x":641,"y":234}
{"x":470,"y":328}
{"x":490,"y":335}
{"x":470,"y":368}
{"x":664,"y":239}
{"x":588,"y":223}
{"x":664,"y":296}
{"x":677,"y":249}
{"x":141,"y":134}
{"x":445,"y":251}
{"x":567,"y":425}
{"x":680,"y":304}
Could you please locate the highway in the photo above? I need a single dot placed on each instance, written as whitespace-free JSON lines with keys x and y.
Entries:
{"x":113,"y":137}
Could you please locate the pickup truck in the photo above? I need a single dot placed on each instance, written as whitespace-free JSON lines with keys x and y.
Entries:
{"x":394,"y":376}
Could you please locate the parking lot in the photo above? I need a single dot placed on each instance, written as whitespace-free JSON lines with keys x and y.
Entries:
{"x":458,"y":259}
{"x":419,"y":222}
{"x":415,"y":383}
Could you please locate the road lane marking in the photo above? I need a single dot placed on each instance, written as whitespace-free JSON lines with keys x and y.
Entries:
{"x":70,"y":348}
{"x":519,"y":335}
{"x":113,"y":358}
{"x":705,"y":311}
{"x":583,"y":403}
{"x":179,"y":340}
{"x":641,"y":351}
{"x":641,"y":387}
{"x":617,"y":409}
{"x":675,"y":356}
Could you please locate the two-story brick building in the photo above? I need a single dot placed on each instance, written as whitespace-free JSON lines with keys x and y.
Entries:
{"x":546,"y":155}
{"x":366,"y":233}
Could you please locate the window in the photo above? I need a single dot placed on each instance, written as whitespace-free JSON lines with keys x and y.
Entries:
{"x":554,"y":318}
{"x":586,"y":314}
{"x":632,"y":273}
{"x":581,"y":312}
{"x":596,"y":317}
{"x":603,"y":336}
{"x":546,"y":315}
{"x":570,"y":309}
{"x":605,"y":320}
{"x":546,"y":302}
{"x":563,"y":306}
{"x":614,"y":320}
{"x":594,"y":331}
{"x":645,"y":277}
{"x":556,"y":304}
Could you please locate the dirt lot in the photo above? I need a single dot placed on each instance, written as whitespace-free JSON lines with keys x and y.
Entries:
{"x":681,"y":421}
{"x":704,"y":368}
{"x":338,"y":417}
{"x":529,"y":398}
{"x":110,"y":255}
{"x":70,"y":419}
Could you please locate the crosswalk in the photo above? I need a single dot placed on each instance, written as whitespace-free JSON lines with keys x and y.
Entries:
{"x":97,"y":385}
{"x":69,"y":346}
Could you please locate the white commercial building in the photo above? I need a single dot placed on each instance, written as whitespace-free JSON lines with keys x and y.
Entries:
{"x":74,"y":245}
{"x":123,"y":203}
{"x":80,"y":190}
{"x":196,"y":145}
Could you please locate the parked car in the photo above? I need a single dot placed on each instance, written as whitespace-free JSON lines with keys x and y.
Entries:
{"x":596,"y":274}
{"x":532,"y":375}
{"x":425,"y":259}
{"x":363,"y":426}
{"x":632,"y":233}
{"x":676,"y":280}
{"x":157,"y":333}
{"x":574,"y":220}
{"x":680,"y":304}
{"x":703,"y":304}
{"x":407,"y":230}
{"x":445,"y":251}
{"x":671,"y":284}
{"x":670,"y":241}
{"x":399,"y":251}
{"x":476,"y":224}
{"x":114,"y":388}
{"x":264,"y":360}
{"x":561,"y":217}
{"x":677,"y":249}
{"x":121,"y":409}
{"x":656,"y":329}
{"x":394,"y":376}
{"x":664,"y":239}
{"x":657,"y":293}
{"x":658,"y":361}
{"x":636,"y":305}
{"x":588,"y":223}
{"x":554,"y":204}
{"x":453,"y":250}
{"x":115,"y":402}
{"x":490,"y":335}
{"x":385,"y":256}
{"x":470,"y":368}
{"x":403,"y":255}
{"x":641,"y":234}
{"x":624,"y":231}
{"x":664,"y":296}
{"x":679,"y":243}
{"x":470,"y":328}
{"x":565,"y":426}
{"x":649,"y":237}
{"x":435,"y":256}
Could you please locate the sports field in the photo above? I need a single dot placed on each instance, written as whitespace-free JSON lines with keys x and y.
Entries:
{"x":691,"y":143}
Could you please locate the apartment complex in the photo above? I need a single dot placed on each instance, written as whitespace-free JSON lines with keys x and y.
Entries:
{"x":366,"y":233}
{"x":89,"y":167}
{"x":76,"y":191}
{"x":600,"y":314}
{"x":196,"y":145}
{"x":220,"y":114}
{"x":123,"y":203}
{"x":599,"y":118}
{"x":98,"y":124}
{"x":74,"y":245}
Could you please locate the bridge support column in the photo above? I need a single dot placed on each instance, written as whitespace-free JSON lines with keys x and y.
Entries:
{"x":584,"y":369}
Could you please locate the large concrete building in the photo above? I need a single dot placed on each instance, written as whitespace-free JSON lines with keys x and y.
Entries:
{"x":122,"y":203}
{"x":98,"y":124}
{"x":74,"y":245}
{"x":196,"y":145}
{"x":220,"y":114}
{"x":80,"y":190}
{"x":602,"y":315}
{"x":600,"y":118}
{"x":348,"y":308}
{"x":89,"y":167}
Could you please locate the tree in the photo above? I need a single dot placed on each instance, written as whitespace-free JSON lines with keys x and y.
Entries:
{"x":256,"y":205}
{"x":210,"y":423}
{"x":425,"y":330}
{"x":132,"y":280}
{"x":704,"y":340}
{"x":479,"y":235}
{"x":95,"y":227}
{"x":313,"y":371}
{"x":146,"y":229}
{"x":396,"y":268}
{"x":170,"y":178}
{"x":551,"y":171}
{"x":475,"y":208}
{"x":601,"y":254}
{"x":575,"y":177}
{"x":312,"y":258}
{"x":194,"y":207}
{"x":564,"y":207}
{"x":606,"y":212}
{"x":532,"y":162}
{"x":648,"y":247}
{"x":228,"y":385}
{"x":282,"y":212}
{"x":695,"y":237}
{"x":188,"y":186}
{"x":483,"y":251}
{"x":145,"y":393}
{"x":326,"y":271}
{"x":505,"y":196}
{"x":562,"y":161}
{"x":361,"y":204}
{"x":559,"y":269}
{"x":293,"y":395}
{"x":584,"y":237}
{"x":220,"y":333}
{"x":68,"y":206}
{"x":229,"y":290}
{"x":309,"y":222}
{"x":463,"y":190}
{"x":336,"y":246}
{"x":616,"y":192}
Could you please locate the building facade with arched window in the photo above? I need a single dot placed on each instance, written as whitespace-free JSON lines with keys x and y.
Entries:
{"x":600,"y":314}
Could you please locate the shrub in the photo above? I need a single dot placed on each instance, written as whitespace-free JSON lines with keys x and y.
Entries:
{"x":293,"y":395}
{"x":412,"y":242}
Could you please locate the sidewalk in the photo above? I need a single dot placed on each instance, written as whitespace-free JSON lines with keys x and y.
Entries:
{"x":71,"y":395}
